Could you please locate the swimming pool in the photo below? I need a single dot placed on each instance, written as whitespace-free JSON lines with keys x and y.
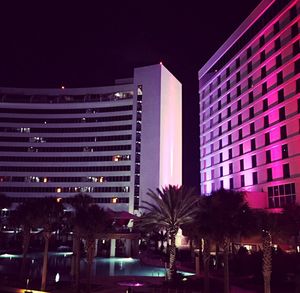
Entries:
{"x":60,"y":262}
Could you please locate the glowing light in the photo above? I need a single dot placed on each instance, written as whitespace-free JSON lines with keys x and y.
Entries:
{"x":57,"y":278}
{"x":114,"y":200}
{"x":58,"y":200}
{"x":160,"y":63}
{"x":62,"y":87}
{"x":45,"y":180}
{"x":58,"y":190}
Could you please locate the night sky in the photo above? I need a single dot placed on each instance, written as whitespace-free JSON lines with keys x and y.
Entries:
{"x":49,"y":44}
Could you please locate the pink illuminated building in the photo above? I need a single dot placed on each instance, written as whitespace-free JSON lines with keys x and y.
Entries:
{"x":250,"y":108}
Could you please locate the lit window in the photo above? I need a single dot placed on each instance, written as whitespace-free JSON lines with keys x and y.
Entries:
{"x":114,"y":200}
{"x":58,"y":190}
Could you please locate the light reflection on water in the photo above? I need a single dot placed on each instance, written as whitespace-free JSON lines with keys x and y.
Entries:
{"x":60,"y":262}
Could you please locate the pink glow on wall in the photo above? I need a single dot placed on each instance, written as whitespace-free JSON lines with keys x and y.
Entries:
{"x":170,"y":130}
{"x":257,"y":200}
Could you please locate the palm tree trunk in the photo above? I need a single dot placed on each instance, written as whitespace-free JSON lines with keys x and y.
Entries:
{"x":206,"y":260}
{"x":172,"y":259}
{"x":267,"y":261}
{"x":90,"y":256}
{"x":77,"y":262}
{"x":25,"y":247}
{"x":226,"y":265}
{"x":47,"y":236}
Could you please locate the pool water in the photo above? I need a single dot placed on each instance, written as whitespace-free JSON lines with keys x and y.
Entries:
{"x":60,"y":263}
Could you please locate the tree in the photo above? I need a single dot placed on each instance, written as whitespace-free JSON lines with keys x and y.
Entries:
{"x":26,"y":216}
{"x":268,"y":224}
{"x":79,"y":202}
{"x":168,"y":210}
{"x":5,"y":203}
{"x":231,"y":218}
{"x":291,"y":222}
{"x":90,"y":222}
{"x":51,"y":212}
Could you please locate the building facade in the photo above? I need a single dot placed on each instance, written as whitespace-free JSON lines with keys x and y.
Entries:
{"x":112,"y":142}
{"x":250,"y":108}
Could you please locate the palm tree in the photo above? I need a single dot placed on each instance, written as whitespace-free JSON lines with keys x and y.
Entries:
{"x":27,"y":217}
{"x":51,"y":212}
{"x":90,"y":222}
{"x":79,"y":202}
{"x":232,"y":218}
{"x":268,"y":225}
{"x":168,"y":210}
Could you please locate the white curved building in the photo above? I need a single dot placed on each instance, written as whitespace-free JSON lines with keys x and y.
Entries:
{"x":111,"y":142}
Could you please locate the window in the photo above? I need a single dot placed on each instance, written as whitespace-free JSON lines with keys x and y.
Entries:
{"x":228,"y":85}
{"x":221,"y":171}
{"x":231,"y":183}
{"x":296,"y":48}
{"x":241,"y":133}
{"x":237,"y":63}
{"x":238,"y":76}
{"x":230,"y":153}
{"x":212,"y":161}
{"x":264,"y":88}
{"x":284,"y":151}
{"x":228,"y":112}
{"x":239,"y":105}
{"x":266,"y":121}
{"x":219,"y":105}
{"x":229,"y":125}
{"x":219,"y":117}
{"x":242,"y":180}
{"x":282,"y":114}
{"x":293,"y":12}
{"x":250,"y":82}
{"x":219,"y":92}
{"x":211,"y":147}
{"x":239,"y":119}
{"x":265,"y":105}
{"x":278,"y":61}
{"x":219,"y":79}
{"x":220,"y":144}
{"x":249,"y":52}
{"x":277,"y":44}
{"x":241,"y":165}
{"x":252,"y":128}
{"x":298,"y":102}
{"x":269,"y":174}
{"x":297,"y":66}
{"x":253,"y":161}
{"x":279,"y":78}
{"x":298,"y":85}
{"x":263,"y":72}
{"x":227,"y":71}
{"x":221,"y":157}
{"x":280,"y":95}
{"x":250,"y":97}
{"x":253,"y":144}
{"x":241,"y":149}
{"x":238,"y":91}
{"x":220,"y":130}
{"x":276,"y":27}
{"x":267,"y":138}
{"x":230,"y":168}
{"x":254,"y":178}
{"x":229,"y":139}
{"x":249,"y":67}
{"x":228,"y":98}
{"x":221,"y":184}
{"x":261,"y":41}
{"x":262,"y":56}
{"x":268,"y":156}
{"x":286,"y":171}
{"x":283,"y":133}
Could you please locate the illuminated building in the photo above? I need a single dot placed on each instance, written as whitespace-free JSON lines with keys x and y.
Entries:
{"x":112,"y":142}
{"x":250,"y":108}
